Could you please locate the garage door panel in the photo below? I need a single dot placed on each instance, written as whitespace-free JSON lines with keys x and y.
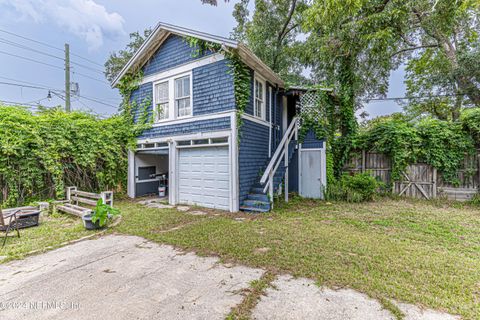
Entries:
{"x":204,"y":177}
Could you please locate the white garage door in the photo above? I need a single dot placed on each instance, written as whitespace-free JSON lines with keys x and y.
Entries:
{"x":204,"y":177}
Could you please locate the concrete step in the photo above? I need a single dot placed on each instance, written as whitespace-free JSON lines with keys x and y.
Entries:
{"x":257,"y":204}
{"x":253,"y":209}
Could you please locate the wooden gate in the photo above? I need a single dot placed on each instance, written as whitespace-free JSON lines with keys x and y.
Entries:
{"x":418,"y":181}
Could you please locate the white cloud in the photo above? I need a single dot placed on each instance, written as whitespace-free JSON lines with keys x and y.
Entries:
{"x":84,"y":18}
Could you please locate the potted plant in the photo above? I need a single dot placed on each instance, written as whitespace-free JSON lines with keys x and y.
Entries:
{"x":100,"y":215}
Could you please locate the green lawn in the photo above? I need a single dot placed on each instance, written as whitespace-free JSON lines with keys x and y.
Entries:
{"x":412,"y":251}
{"x":53,"y":231}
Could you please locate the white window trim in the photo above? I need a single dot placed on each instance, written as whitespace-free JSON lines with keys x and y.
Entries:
{"x":173,"y":72}
{"x":264,"y":98}
{"x":172,"y":110}
{"x":155,"y":114}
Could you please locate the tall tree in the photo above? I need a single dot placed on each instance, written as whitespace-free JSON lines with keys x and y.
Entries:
{"x":117,"y":60}
{"x":443,"y":48}
{"x":272,"y":33}
{"x":350,"y":46}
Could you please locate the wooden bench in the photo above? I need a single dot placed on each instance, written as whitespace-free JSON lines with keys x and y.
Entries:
{"x":80,"y":203}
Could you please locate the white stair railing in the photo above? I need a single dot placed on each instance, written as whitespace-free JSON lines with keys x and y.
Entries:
{"x":280,"y":152}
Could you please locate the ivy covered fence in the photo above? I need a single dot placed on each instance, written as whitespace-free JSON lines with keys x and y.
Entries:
{"x":42,"y":153}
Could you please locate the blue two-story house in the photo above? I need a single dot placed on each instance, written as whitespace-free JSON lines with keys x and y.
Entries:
{"x":197,"y":150}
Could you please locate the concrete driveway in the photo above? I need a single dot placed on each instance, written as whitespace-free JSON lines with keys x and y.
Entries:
{"x":125,"y":277}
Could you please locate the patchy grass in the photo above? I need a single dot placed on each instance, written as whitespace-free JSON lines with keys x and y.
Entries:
{"x":252,"y":295}
{"x":53,"y":231}
{"x":413,"y":251}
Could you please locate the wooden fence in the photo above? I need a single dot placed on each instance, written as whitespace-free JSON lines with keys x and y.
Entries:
{"x":420,"y":180}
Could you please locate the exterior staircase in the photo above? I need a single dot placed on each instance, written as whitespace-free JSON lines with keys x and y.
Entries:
{"x":259,"y":200}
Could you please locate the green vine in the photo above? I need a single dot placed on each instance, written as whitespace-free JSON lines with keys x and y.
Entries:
{"x":201,"y":47}
{"x":241,"y":85}
{"x":42,"y":153}
{"x":441,"y":144}
{"x":126,"y":86}
{"x":320,"y":125}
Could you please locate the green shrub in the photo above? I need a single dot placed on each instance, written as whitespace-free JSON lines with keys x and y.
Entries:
{"x":42,"y":153}
{"x":353,"y":188}
{"x":475,"y":200}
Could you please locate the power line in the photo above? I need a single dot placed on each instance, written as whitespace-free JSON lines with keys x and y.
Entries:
{"x":27,"y":86}
{"x":86,"y":67}
{"x":26,"y":82}
{"x":49,"y":46}
{"x":32,"y":60}
{"x":88,"y":60}
{"x":98,"y":101}
{"x":40,"y":87}
{"x":17,"y":103}
{"x":18,"y":45}
{"x":51,"y":65}
{"x":89,"y":77}
{"x":30,"y":39}
{"x":413,"y":97}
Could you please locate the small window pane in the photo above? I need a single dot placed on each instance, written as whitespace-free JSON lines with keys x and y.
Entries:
{"x":258,"y":103}
{"x":162,"y":91}
{"x":161,"y":100}
{"x":182,"y":97}
{"x":182,"y":87}
{"x":220,"y":140}
{"x":201,"y":141}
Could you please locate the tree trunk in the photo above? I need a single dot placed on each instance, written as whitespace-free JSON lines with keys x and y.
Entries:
{"x":465,"y":85}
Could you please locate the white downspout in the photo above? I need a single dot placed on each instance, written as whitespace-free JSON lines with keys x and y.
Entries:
{"x":270,"y":126}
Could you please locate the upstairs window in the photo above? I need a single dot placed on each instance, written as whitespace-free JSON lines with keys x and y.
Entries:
{"x":161,"y":101}
{"x":259,"y":102}
{"x":182,"y":97}
{"x":172,"y":97}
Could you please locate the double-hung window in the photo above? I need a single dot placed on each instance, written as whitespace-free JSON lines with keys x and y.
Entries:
{"x":182,"y":97}
{"x":173,"y":97}
{"x":259,"y":102}
{"x":162,"y":101}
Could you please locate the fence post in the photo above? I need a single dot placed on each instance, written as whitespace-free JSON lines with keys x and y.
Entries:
{"x":364,"y":160}
{"x":434,"y":184}
{"x":478,"y":172}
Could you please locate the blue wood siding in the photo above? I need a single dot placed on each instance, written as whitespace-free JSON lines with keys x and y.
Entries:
{"x":141,"y":98}
{"x":311,"y":142}
{"x":173,"y":52}
{"x":213,"y":88}
{"x":187,"y":128}
{"x":253,"y":155}
{"x":293,"y":172}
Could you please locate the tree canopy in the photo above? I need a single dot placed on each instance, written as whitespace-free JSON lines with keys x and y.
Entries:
{"x":117,"y":60}
{"x":272,"y":32}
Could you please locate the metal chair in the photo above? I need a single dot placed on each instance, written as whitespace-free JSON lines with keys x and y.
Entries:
{"x":7,"y":222}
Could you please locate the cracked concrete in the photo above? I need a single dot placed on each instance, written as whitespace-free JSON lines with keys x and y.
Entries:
{"x":126,"y":277}
{"x":290,"y":298}
{"x":120,"y":277}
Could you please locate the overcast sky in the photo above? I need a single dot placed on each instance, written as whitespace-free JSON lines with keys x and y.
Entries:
{"x":94,"y":28}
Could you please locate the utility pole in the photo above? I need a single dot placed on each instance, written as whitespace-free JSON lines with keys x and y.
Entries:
{"x":67,"y":77}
